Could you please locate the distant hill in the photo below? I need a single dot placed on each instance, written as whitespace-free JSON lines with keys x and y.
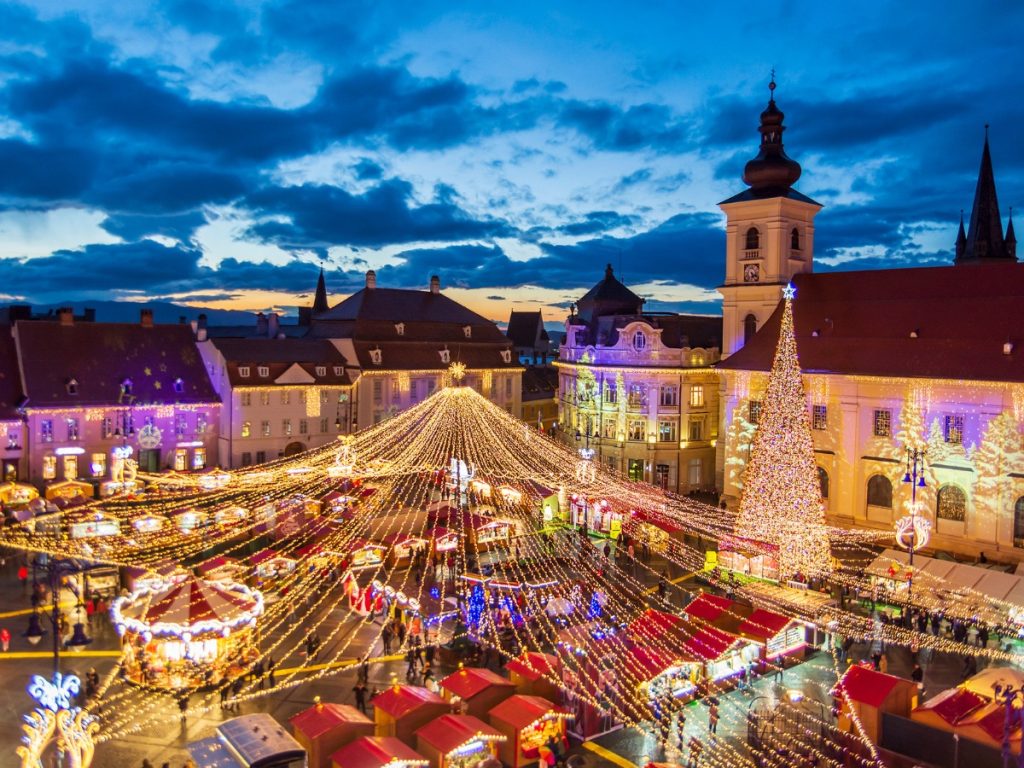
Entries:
{"x":163,"y":312}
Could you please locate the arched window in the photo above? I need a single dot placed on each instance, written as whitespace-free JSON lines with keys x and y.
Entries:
{"x":879,"y":491}
{"x":639,"y":340}
{"x":794,"y":239}
{"x":1018,"y":523}
{"x":823,"y":482}
{"x":951,"y":504}
{"x":749,"y":328}
{"x":753,"y":239}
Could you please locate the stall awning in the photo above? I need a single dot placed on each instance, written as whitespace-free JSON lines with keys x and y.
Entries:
{"x":449,"y":732}
{"x":469,"y":681}
{"x":652,"y":623}
{"x":866,"y":686}
{"x":533,"y":665}
{"x":520,"y":711}
{"x":762,"y":624}
{"x":399,"y":700}
{"x":708,"y":643}
{"x":708,"y":607}
{"x":378,"y":752}
{"x":323,"y":718}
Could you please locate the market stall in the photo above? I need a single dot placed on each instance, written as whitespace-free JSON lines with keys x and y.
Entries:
{"x":777,"y":636}
{"x":748,"y":558}
{"x":948,"y":709}
{"x":458,"y":741}
{"x":323,"y":729}
{"x":536,"y":674}
{"x":865,"y":695}
{"x":187,"y":633}
{"x":597,"y":516}
{"x":378,"y":752}
{"x":402,"y":546}
{"x":269,"y":564}
{"x":249,"y":741}
{"x":148,"y":523}
{"x":231,"y":515}
{"x":165,"y":572}
{"x":69,"y":489}
{"x":90,"y":523}
{"x":221,"y":568}
{"x":14,"y":494}
{"x":444,"y":540}
{"x":401,"y":710}
{"x":659,"y":674}
{"x":366,"y":554}
{"x":188,"y":519}
{"x":128,"y":486}
{"x":987,"y":725}
{"x":531,"y":725}
{"x":475,"y":690}
{"x":339,"y":505}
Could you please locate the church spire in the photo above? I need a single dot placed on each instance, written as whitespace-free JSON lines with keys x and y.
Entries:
{"x":985,"y":240}
{"x":1011,"y":237}
{"x":320,"y":300}
{"x":772,"y":171}
{"x":961,"y":238}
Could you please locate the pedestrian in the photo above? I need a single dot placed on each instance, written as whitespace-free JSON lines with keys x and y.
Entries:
{"x":23,"y":578}
{"x":271,"y":666}
{"x":5,"y":638}
{"x":183,"y":704}
{"x":385,"y":637}
{"x":429,"y":653}
{"x":428,"y":676}
{"x":236,"y":689}
{"x":917,"y":675}
{"x":607,"y":550}
{"x":360,"y":691}
{"x":400,"y":633}
{"x":410,"y":658}
{"x":224,"y":695}
{"x":257,"y":671}
{"x":713,"y":717}
{"x":364,"y":671}
{"x":146,"y":763}
{"x":883,"y":664}
{"x":662,"y":585}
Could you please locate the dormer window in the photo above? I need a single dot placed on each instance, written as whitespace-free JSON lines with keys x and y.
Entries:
{"x":506,"y":355}
{"x":468,"y":331}
{"x":179,"y":385}
{"x":243,"y":371}
{"x":446,"y":356}
{"x":376,"y":356}
{"x":72,"y":386}
{"x":321,"y":370}
{"x":263,"y":371}
{"x":639,"y":341}
{"x":338,"y":370}
{"x":400,"y":329}
{"x":126,"y":387}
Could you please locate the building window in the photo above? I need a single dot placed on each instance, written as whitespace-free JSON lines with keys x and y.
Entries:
{"x":696,"y":470}
{"x":128,"y":423}
{"x":378,"y":390}
{"x":635,"y":470}
{"x":180,"y":424}
{"x":819,"y":417}
{"x":263,"y":371}
{"x":1018,"y":523}
{"x":611,"y":394}
{"x":246,"y":458}
{"x":753,"y":239}
{"x":342,"y":396}
{"x":246,"y":399}
{"x":325,"y":396}
{"x":70,"y":467}
{"x":696,"y":395}
{"x":666,"y":431}
{"x":414,"y":394}
{"x":638,"y":429}
{"x":696,"y":430}
{"x":303,"y":427}
{"x":321,"y":370}
{"x":323,"y":424}
{"x":337,"y":370}
{"x":286,"y":427}
{"x":49,"y":467}
{"x":661,"y":476}
{"x":98,"y":464}
{"x":467,"y":331}
{"x":953,"y":430}
{"x":261,"y":457}
{"x":72,"y":387}
{"x":126,"y":387}
{"x":246,"y":428}
{"x":697,"y":360}
{"x":72,"y":429}
{"x":749,"y":328}
{"x":179,"y":385}
{"x":265,"y":428}
{"x":508,"y":387}
{"x":264,"y":398}
{"x":199,"y":458}
{"x":607,"y":428}
{"x":882,"y":423}
{"x":639,"y":341}
{"x":951,"y":504}
{"x":302,"y":397}
{"x":754,"y":412}
{"x":669,"y":395}
{"x":201,"y":423}
{"x":396,"y":394}
{"x":637,"y":396}
{"x":823,"y":482}
{"x":286,"y":397}
{"x":106,"y":427}
{"x":180,"y":459}
{"x":243,"y":371}
{"x":794,"y":239}
{"x":46,"y":430}
{"x":879,"y":491}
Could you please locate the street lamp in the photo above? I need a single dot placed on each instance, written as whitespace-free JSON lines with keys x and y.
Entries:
{"x":1011,"y":697}
{"x":912,"y":530}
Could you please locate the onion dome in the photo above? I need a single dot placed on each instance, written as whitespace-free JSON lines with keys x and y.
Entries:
{"x":771,"y":169}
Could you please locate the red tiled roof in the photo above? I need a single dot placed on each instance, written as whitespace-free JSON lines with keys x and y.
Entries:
{"x":279,"y":355}
{"x":10,"y":378}
{"x":469,"y":681}
{"x":953,"y":705}
{"x":652,"y":623}
{"x":324,"y":718}
{"x":377,"y":752}
{"x":764,"y":624}
{"x":519,"y":710}
{"x":533,"y":665}
{"x":867,"y":686}
{"x":100,"y":356}
{"x":962,"y":316}
{"x":708,"y":607}
{"x":398,"y":701}
{"x":450,"y":732}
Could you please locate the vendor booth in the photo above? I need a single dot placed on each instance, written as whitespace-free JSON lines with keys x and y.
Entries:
{"x":946,"y":710}
{"x":160,"y":574}
{"x":213,"y":478}
{"x":659,"y":674}
{"x":536,"y":674}
{"x":458,"y":741}
{"x":378,"y":752}
{"x":866,"y":695}
{"x":69,"y":489}
{"x":249,"y":741}
{"x":229,"y":516}
{"x":148,"y":523}
{"x":748,"y":558}
{"x":90,"y":523}
{"x":530,"y":725}
{"x":987,"y":725}
{"x":188,"y":519}
{"x":401,"y":710}
{"x":14,"y":494}
{"x":778,"y":636}
{"x":476,"y":690}
{"x":402,"y":546}
{"x":269,"y":564}
{"x":366,"y":554}
{"x":222,"y":568}
{"x":323,"y":729}
{"x":188,"y":633}
{"x":595,"y":515}
{"x":339,"y":505}
{"x":443,"y":540}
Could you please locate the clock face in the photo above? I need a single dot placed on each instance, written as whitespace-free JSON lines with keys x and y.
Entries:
{"x":149,"y":437}
{"x":751,"y":273}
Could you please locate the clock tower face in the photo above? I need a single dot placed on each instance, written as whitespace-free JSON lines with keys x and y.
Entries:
{"x":751,"y":273}
{"x":149,"y":437}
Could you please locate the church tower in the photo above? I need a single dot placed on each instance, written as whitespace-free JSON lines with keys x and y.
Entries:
{"x":769,"y":235}
{"x":984,"y":242}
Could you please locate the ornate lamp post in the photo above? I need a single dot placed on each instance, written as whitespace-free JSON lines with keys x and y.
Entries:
{"x":913,"y":530}
{"x":1012,"y":698}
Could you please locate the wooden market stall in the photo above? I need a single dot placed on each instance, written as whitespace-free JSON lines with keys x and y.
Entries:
{"x":269,"y":564}
{"x":363,"y":553}
{"x":535,"y":674}
{"x":777,"y":636}
{"x":401,"y":547}
{"x":221,"y":568}
{"x":148,"y":522}
{"x":402,"y":709}
{"x":69,"y":489}
{"x":188,"y":519}
{"x":987,"y":725}
{"x":947,"y":709}
{"x":325,"y":728}
{"x":378,"y":752}
{"x":476,"y":690}
{"x":865,"y":695}
{"x":530,"y":724}
{"x":457,"y":741}
{"x":443,"y":541}
{"x":14,"y":494}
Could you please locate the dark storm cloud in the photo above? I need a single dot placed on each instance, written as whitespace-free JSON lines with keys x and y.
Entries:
{"x":134,"y":226}
{"x":643,"y":126}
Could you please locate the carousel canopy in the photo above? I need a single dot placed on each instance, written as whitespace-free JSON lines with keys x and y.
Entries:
{"x":191,"y":605}
{"x":399,"y":700}
{"x":469,"y":681}
{"x":324,"y":718}
{"x":377,"y":752}
{"x":449,"y":732}
{"x":520,"y":711}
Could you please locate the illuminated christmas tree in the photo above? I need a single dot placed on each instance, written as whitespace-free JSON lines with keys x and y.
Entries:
{"x":781,"y":502}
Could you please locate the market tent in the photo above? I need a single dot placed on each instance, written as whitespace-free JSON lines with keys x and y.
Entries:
{"x":882,"y":566}
{"x":948,"y":708}
{"x":708,"y":643}
{"x":263,"y":555}
{"x":997,"y":584}
{"x":964,"y":577}
{"x":708,"y":607}
{"x":520,"y":711}
{"x":652,"y":623}
{"x":645,"y":664}
{"x":470,"y":681}
{"x":936,"y":569}
{"x":378,"y":752}
{"x":399,"y":700}
{"x":985,"y":681}
{"x":449,"y":732}
{"x":762,"y":625}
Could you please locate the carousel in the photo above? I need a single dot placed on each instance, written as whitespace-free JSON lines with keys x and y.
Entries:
{"x":187,"y":633}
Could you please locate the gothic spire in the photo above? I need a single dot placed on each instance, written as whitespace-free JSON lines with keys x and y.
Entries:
{"x":985,"y":241}
{"x":961,"y":238}
{"x":320,"y":300}
{"x":1011,"y":237}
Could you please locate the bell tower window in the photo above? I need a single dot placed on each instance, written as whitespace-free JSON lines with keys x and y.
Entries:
{"x":794,"y":239}
{"x":753,"y":240}
{"x":749,"y":328}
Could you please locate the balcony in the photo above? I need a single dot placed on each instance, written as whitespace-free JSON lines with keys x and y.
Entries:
{"x":751,"y":253}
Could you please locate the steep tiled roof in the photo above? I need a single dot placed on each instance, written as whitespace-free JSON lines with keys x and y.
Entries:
{"x":929,"y":322}
{"x":396,"y":305}
{"x":540,"y":382}
{"x":279,"y":355}
{"x":422,"y":355}
{"x":526,"y":329}
{"x":677,"y":331}
{"x":609,"y":296}
{"x":100,"y":356}
{"x":10,"y":378}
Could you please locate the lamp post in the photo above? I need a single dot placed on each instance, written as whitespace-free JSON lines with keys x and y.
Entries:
{"x":912,"y":531}
{"x":1012,"y":698}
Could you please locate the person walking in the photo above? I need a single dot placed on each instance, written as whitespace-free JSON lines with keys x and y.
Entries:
{"x":410,"y":658}
{"x":917,"y":675}
{"x":713,"y":717}
{"x":360,"y":691}
{"x":385,"y":638}
{"x":271,"y":666}
{"x":5,"y":638}
{"x":257,"y":672}
{"x":183,"y":705}
{"x":236,"y":689}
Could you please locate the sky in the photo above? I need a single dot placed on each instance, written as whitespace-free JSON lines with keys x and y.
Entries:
{"x":218,"y":153}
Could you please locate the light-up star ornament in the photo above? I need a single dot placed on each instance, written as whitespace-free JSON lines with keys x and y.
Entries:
{"x":789,"y":292}
{"x":457,"y":371}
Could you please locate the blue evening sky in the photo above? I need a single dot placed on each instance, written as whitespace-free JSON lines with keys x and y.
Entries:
{"x":215,"y":153}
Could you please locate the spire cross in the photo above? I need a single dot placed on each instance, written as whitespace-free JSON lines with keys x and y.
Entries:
{"x":771,"y":85}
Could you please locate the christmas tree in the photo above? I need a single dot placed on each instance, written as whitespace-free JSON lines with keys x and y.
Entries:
{"x":781,"y":502}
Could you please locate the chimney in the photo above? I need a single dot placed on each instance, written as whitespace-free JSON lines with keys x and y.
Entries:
{"x":261,"y":324}
{"x":181,"y":320}
{"x":89,"y":315}
{"x":200,"y":327}
{"x":146,"y":316}
{"x":371,"y":280}
{"x":66,"y":315}
{"x":273,"y":325}
{"x":435,"y":284}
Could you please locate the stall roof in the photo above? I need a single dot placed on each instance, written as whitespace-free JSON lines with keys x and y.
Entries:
{"x":399,"y":700}
{"x":377,"y":752}
{"x":266,"y":554}
{"x":649,"y":662}
{"x":989,"y":721}
{"x":866,"y":686}
{"x":520,"y":711}
{"x":880,"y":565}
{"x":212,"y":753}
{"x":257,"y":738}
{"x":964,"y":577}
{"x":952,"y":705}
{"x":533,"y":665}
{"x":469,"y":681}
{"x":938,"y":569}
{"x":449,"y":732}
{"x":764,"y":624}
{"x":985,"y":681}
{"x":709,"y":643}
{"x":652,"y":623}
{"x":708,"y":607}
{"x":997,"y":584}
{"x":323,"y":718}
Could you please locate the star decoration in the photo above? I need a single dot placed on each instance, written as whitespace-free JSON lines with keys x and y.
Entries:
{"x":789,"y":292}
{"x":457,"y":371}
{"x":156,"y":385}
{"x":148,"y":371}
